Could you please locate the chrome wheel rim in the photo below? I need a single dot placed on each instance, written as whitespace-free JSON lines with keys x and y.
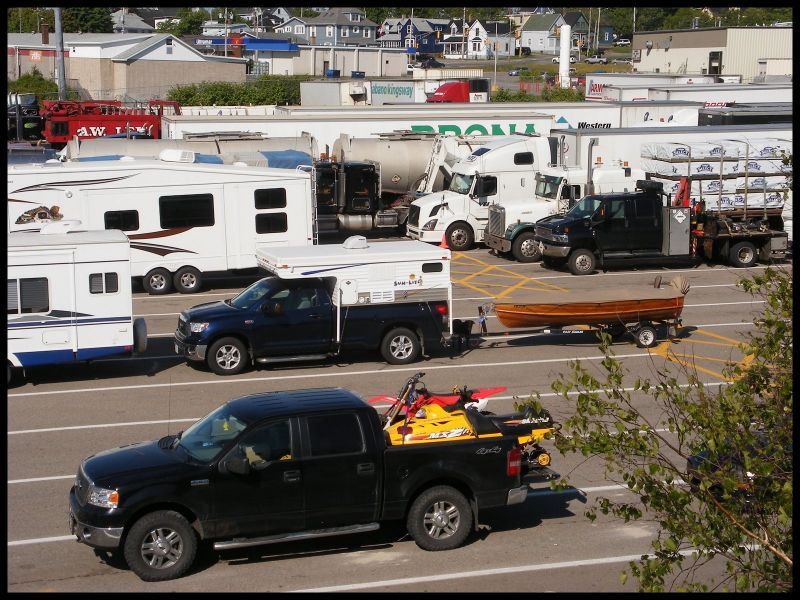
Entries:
{"x":646,"y":337}
{"x":188,"y":280}
{"x":745,"y":255}
{"x":458,"y":238}
{"x":228,"y":357}
{"x":441,"y":520}
{"x":584,"y":263}
{"x":401,"y":347}
{"x":158,"y":281}
{"x":529,"y":248}
{"x":162,"y":548}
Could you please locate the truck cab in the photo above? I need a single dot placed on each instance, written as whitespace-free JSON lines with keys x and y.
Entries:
{"x":501,"y":171}
{"x":472,"y":90}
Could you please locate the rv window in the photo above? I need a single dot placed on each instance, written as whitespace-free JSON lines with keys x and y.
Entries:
{"x":432,"y":267}
{"x":13,"y":299}
{"x":191,"y":210}
{"x":274,"y":198}
{"x":124,"y":220}
{"x":34,"y":295}
{"x":96,"y":283}
{"x":271,"y":223}
{"x":523,"y":158}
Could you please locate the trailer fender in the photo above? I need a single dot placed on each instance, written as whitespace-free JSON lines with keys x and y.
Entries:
{"x":14,"y":361}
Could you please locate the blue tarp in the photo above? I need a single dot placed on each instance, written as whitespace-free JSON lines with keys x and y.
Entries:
{"x":213,"y":159}
{"x":286,"y":159}
{"x":101,"y":157}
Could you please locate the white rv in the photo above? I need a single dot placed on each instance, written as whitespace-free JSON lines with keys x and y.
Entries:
{"x":183,"y":219}
{"x":69,"y":297}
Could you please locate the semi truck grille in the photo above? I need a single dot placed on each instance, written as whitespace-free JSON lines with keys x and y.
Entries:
{"x":497,"y":220}
{"x":413,"y":215}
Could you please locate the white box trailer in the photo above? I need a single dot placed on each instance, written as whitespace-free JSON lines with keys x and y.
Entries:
{"x":596,"y":82}
{"x":368,"y":273}
{"x":723,"y":95}
{"x":183,"y":219}
{"x":69,"y":297}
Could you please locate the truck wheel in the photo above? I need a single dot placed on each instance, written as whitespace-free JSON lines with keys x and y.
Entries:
{"x":187,"y":280}
{"x":459,"y":236}
{"x":157,"y":282}
{"x":227,"y":356}
{"x":646,"y":336}
{"x":139,"y":335}
{"x":525,"y":249}
{"x":400,"y":346}
{"x":581,"y":261}
{"x":743,"y":254}
{"x":160,"y":546}
{"x":440,"y":519}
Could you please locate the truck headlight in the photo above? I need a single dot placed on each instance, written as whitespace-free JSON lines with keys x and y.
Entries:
{"x":430,"y":225}
{"x":102,"y":497}
{"x":564,"y":239}
{"x":198,"y":327}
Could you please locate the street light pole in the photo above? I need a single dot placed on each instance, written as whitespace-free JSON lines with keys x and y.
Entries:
{"x":495,"y":55}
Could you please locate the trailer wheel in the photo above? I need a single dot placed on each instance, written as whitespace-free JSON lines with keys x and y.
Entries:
{"x":400,"y":346}
{"x":525,"y":249}
{"x":743,"y":254}
{"x":157,"y":282}
{"x":646,"y":336}
{"x":187,"y":280}
{"x":581,"y":261}
{"x":439,"y":519}
{"x":459,"y":236}
{"x":160,"y":546}
{"x":227,"y":356}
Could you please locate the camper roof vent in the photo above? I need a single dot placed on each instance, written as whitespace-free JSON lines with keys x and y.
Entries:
{"x":355,"y":242}
{"x":240,"y":163}
{"x":57,"y":227}
{"x":176,"y":155}
{"x":126,"y":158}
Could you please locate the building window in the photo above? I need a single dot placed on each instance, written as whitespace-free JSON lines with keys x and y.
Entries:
{"x":476,"y":46}
{"x":270,"y":198}
{"x":26,"y":296}
{"x":366,"y":32}
{"x":345,"y":32}
{"x":329,"y":31}
{"x":103,"y":283}
{"x":408,"y":29}
{"x":124,"y":220}
{"x":355,"y":29}
{"x":312,"y":31}
{"x":191,"y":210}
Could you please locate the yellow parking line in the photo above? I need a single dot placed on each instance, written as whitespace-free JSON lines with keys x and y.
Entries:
{"x":718,"y":336}
{"x":510,"y":289}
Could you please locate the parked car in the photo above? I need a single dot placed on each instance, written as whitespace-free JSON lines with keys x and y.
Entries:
{"x":519,"y":71}
{"x":622,"y":61}
{"x":596,"y":59}
{"x":523,"y":51}
{"x":430,"y":63}
{"x":572,"y":59}
{"x":622,"y":42}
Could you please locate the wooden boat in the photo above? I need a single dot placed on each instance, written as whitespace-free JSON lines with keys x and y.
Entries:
{"x":600,"y":307}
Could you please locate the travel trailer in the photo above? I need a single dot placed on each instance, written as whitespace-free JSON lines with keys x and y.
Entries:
{"x":69,"y":297}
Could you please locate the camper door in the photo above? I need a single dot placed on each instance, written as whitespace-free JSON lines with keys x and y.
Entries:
{"x":41,"y":307}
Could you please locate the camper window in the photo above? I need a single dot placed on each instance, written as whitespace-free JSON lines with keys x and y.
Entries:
{"x":34,"y":296}
{"x":271,"y":223}
{"x":191,"y":210}
{"x":432,"y":267}
{"x":96,"y":283}
{"x":124,"y":220}
{"x":274,"y":198}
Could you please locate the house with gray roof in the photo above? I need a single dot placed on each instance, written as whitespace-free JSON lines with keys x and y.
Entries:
{"x":128,"y":22}
{"x":338,"y":26}
{"x":540,"y":33}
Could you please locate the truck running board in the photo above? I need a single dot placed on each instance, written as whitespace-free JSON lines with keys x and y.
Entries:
{"x":278,"y":359}
{"x":291,"y":537}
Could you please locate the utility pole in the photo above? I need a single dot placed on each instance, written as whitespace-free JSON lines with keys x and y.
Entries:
{"x":464,"y":35}
{"x":634,"y":19}
{"x":62,"y":79}
{"x":226,"y":31}
{"x":495,"y":55}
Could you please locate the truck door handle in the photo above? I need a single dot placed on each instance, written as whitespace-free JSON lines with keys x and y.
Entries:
{"x":314,"y":316}
{"x":365,"y":468}
{"x":291,"y":476}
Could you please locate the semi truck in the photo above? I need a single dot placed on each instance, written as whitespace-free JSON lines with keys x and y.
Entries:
{"x":647,"y":225}
{"x":471,"y":90}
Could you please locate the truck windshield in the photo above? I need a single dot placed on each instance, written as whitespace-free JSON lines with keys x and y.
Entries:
{"x":205,"y":439}
{"x":461,"y":184}
{"x":547,"y":187}
{"x":253,"y":294}
{"x":585,"y":207}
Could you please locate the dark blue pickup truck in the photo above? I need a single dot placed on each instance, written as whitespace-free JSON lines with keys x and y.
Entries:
{"x":278,"y":320}
{"x":285,"y":466}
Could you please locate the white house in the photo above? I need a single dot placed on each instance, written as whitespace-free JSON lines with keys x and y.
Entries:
{"x":540,"y":33}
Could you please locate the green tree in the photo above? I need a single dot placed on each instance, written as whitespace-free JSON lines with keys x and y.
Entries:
{"x":30,"y":19}
{"x":711,"y":519}
{"x":186,"y":22}
{"x":87,"y":20}
{"x":683,"y":18}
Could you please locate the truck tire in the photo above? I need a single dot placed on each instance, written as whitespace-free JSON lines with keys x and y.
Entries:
{"x":157,"y":282}
{"x":440,"y":519}
{"x":743,"y":254}
{"x":160,"y":546}
{"x":459,"y":236}
{"x":187,"y":280}
{"x":400,"y":346}
{"x":646,"y":336}
{"x":227,"y":356}
{"x":139,"y":335}
{"x":581,"y":261}
{"x":525,"y":249}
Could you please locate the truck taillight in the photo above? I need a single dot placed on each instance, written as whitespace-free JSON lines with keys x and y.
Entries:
{"x":514,"y":462}
{"x":441,"y":308}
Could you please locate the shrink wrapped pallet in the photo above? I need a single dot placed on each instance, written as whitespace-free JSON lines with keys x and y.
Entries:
{"x":694,"y":151}
{"x":758,"y":183}
{"x":764,"y":166}
{"x":695,"y":168}
{"x":705,"y":186}
{"x":736,"y":201}
{"x":764,"y":147}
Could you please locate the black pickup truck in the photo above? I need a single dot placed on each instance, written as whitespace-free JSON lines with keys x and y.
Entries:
{"x":284,"y":466}
{"x":278,"y":320}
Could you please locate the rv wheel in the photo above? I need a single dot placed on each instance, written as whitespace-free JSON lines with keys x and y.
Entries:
{"x":400,"y":346}
{"x":187,"y":280}
{"x":158,"y":281}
